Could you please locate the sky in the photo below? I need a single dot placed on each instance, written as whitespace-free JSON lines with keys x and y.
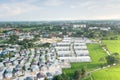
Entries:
{"x":41,"y":10}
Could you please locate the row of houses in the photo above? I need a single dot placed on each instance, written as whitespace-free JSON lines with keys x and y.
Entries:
{"x":100,"y":28}
{"x":73,"y":49}
{"x":33,"y":64}
{"x":22,"y":35}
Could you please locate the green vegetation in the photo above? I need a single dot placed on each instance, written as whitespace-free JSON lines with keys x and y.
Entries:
{"x":113,"y":59}
{"x":63,"y":76}
{"x":76,"y":75}
{"x":28,"y":28}
{"x":111,"y":73}
{"x":96,"y":52}
{"x":112,"y":45}
{"x":3,"y":41}
{"x":44,"y":45}
{"x":26,"y":44}
{"x":13,"y":39}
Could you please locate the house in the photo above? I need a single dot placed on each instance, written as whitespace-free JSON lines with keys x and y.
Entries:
{"x":20,"y":78}
{"x":1,"y":76}
{"x":40,"y":76}
{"x":29,"y":78}
{"x":7,"y":63}
{"x":1,"y":73}
{"x":8,"y":73}
{"x":17,"y":55}
{"x":15,"y":62}
{"x":5,"y":60}
{"x":22,"y":61}
{"x":58,"y":72}
{"x":18,"y":67}
{"x":17,"y":71}
{"x":34,"y":68}
{"x":4,"y":52}
{"x":43,"y":68}
{"x":1,"y":65}
{"x":41,"y":63}
{"x":27,"y":66}
{"x":12,"y":58}
{"x":12,"y":49}
{"x":49,"y":75}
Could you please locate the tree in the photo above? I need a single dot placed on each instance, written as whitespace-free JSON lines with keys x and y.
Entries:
{"x":23,"y":68}
{"x":13,"y":39}
{"x":65,"y":77}
{"x":58,"y":77}
{"x":26,"y":44}
{"x":76,"y":75}
{"x":45,"y":78}
{"x":113,"y":58}
{"x":110,"y":59}
{"x":117,"y":57}
{"x":83,"y":72}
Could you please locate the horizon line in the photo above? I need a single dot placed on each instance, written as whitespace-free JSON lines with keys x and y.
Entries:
{"x":59,"y":20}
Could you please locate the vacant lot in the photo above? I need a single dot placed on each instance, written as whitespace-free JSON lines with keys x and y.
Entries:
{"x":112,"y":45}
{"x":96,"y":52}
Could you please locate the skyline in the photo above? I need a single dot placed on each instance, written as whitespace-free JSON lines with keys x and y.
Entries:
{"x":43,"y":10}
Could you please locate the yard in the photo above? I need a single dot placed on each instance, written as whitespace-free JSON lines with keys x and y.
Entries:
{"x":111,"y":73}
{"x":96,"y":52}
{"x":112,"y":45}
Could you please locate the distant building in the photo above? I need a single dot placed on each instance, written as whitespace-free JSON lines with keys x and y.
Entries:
{"x":105,"y":29}
{"x":93,"y":28}
{"x":100,"y":28}
{"x":79,"y":26}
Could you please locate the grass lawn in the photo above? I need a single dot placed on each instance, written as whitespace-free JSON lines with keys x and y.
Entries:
{"x":96,"y":52}
{"x":111,"y":73}
{"x":112,"y":45}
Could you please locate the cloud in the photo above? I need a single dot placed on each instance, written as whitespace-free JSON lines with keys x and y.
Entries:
{"x":53,"y":2}
{"x":58,"y":9}
{"x":15,"y":8}
{"x":84,"y":4}
{"x":73,"y":6}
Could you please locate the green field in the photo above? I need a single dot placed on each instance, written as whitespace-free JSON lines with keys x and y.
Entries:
{"x":96,"y":52}
{"x":112,"y":45}
{"x":112,"y":73}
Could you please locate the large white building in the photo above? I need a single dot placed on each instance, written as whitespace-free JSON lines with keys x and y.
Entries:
{"x":79,"y":26}
{"x":73,"y":50}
